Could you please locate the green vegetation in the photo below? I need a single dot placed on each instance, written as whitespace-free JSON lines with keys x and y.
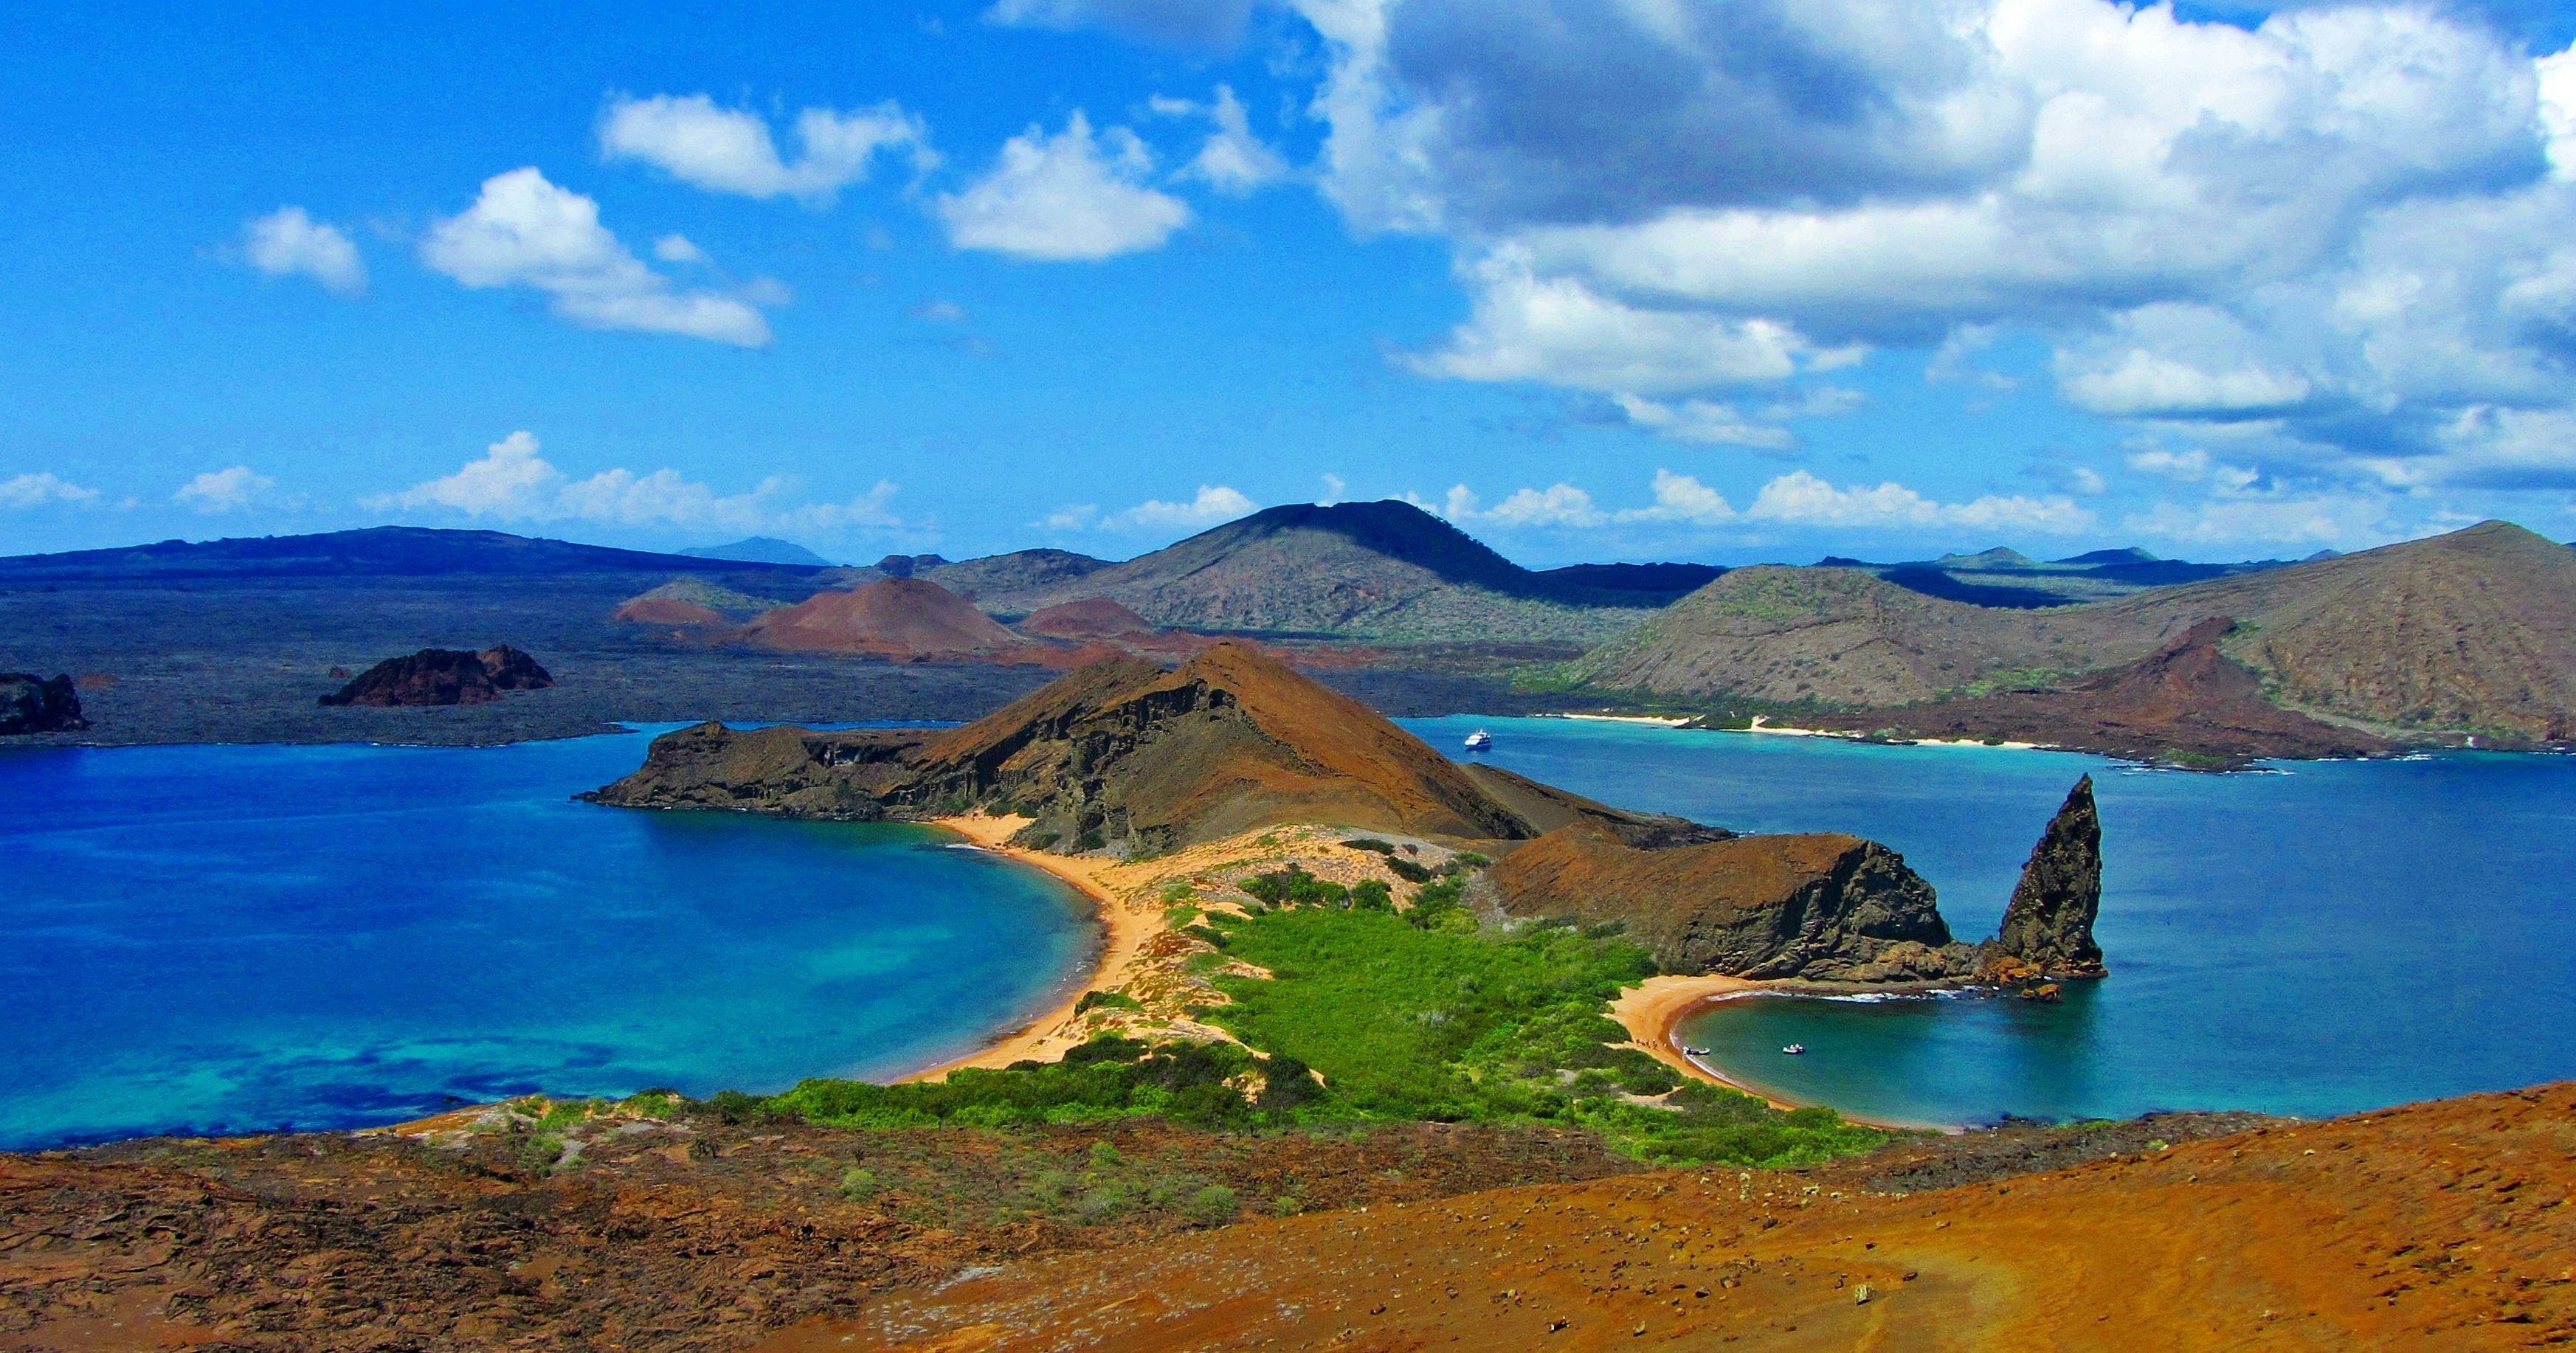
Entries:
{"x":1372,"y":1015}
{"x":1408,"y":1020}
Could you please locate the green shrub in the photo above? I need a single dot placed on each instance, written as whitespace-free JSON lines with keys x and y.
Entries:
{"x":1106,"y":1000}
{"x":1212,"y":1206}
{"x":1372,"y":895}
{"x":1294,"y":887}
{"x":859,"y":1185}
{"x":1370,"y":843}
{"x":1407,"y":870}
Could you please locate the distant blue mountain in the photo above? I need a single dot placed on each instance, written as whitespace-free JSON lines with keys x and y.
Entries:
{"x":380,"y":551}
{"x":761,"y":550}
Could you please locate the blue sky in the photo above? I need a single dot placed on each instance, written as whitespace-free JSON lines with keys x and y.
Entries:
{"x":1612,"y":279}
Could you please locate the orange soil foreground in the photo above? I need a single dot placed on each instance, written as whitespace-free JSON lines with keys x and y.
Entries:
{"x":2442,"y":1225}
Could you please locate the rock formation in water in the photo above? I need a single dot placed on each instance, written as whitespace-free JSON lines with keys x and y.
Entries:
{"x":1820,"y":905}
{"x":444,"y":676}
{"x":2048,"y":928}
{"x":33,"y":704}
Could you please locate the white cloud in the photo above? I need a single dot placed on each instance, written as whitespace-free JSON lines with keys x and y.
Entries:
{"x":2339,"y":518}
{"x":2191,"y":467}
{"x":1232,"y":160}
{"x":513,"y":483}
{"x":1556,"y":505}
{"x":678,"y":249}
{"x":2348,"y":220}
{"x":525,"y":231}
{"x":1070,"y":197}
{"x":1071,"y":517}
{"x":940,"y":312}
{"x":1215,"y":503}
{"x":226,"y":490}
{"x":1700,"y":420}
{"x":729,"y":150}
{"x":1557,"y":329}
{"x":36,"y":490}
{"x":1800,"y":498}
{"x":1681,"y":498}
{"x":287,"y":243}
{"x":1334,"y":488}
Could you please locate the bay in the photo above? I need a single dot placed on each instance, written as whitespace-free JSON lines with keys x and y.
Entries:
{"x":2312,"y":938}
{"x":244,"y":938}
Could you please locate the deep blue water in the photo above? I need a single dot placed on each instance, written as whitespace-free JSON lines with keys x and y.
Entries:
{"x":2322,"y":938}
{"x":237,"y":938}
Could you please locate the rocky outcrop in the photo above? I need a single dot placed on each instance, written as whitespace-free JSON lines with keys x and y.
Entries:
{"x":2047,"y":930}
{"x":444,"y":676}
{"x":1821,"y":906}
{"x":781,"y":770}
{"x":34,"y":704}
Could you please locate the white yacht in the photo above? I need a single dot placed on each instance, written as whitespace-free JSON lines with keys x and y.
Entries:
{"x":1479,"y":740}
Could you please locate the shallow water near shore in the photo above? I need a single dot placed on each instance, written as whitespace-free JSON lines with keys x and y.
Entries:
{"x":2315,"y":939}
{"x":231,"y":939}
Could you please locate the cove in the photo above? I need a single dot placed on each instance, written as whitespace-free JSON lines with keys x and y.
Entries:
{"x":229,"y":939}
{"x":2313,"y":938}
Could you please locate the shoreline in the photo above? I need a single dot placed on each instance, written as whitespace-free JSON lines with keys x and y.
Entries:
{"x":1046,"y":1035}
{"x":1651,"y":1010}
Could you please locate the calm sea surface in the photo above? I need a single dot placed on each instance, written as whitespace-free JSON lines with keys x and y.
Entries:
{"x":2316,"y":940}
{"x":235,"y":938}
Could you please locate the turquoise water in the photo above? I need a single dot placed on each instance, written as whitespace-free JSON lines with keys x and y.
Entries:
{"x":2317,"y":939}
{"x":236,"y":938}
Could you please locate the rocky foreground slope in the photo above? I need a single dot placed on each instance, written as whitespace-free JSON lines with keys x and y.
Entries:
{"x":2437,"y":1226}
{"x":1123,"y":758}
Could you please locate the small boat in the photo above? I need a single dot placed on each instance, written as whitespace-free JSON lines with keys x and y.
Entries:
{"x":1689,"y":1051}
{"x":1479,"y":740}
{"x":1795,"y":1050}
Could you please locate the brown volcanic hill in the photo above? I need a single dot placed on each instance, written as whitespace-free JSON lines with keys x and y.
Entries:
{"x":1088,"y":618}
{"x":1119,"y":755}
{"x":893,"y":618}
{"x":1820,"y":905}
{"x":1231,"y":741}
{"x":667,"y":611}
{"x":2470,"y":632}
{"x":2186,"y":702}
{"x":2473,"y":631}
{"x":1841,"y":636}
{"x":2433,"y":1226}
{"x":1385,"y":570}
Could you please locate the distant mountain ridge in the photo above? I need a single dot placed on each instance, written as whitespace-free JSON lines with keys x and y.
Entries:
{"x":395,"y":551}
{"x":1385,"y":570}
{"x":2471,"y":632}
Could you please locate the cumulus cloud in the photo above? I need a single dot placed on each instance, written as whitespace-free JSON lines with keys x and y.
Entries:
{"x":1070,"y":197}
{"x":1700,"y":420}
{"x":225,"y":490}
{"x":1232,"y":160}
{"x":39,"y":489}
{"x":289,"y":243}
{"x":730,"y":150}
{"x":678,"y":249}
{"x":2348,"y":221}
{"x":1802,"y":499}
{"x":513,"y":483}
{"x":525,"y":231}
{"x":1209,"y":24}
{"x":1214,"y":504}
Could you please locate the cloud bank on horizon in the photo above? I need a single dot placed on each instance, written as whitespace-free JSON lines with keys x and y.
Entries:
{"x":2306,"y":279}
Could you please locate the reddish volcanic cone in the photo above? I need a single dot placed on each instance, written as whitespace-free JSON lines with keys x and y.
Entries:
{"x":893,"y":618}
{"x":1089,"y":618}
